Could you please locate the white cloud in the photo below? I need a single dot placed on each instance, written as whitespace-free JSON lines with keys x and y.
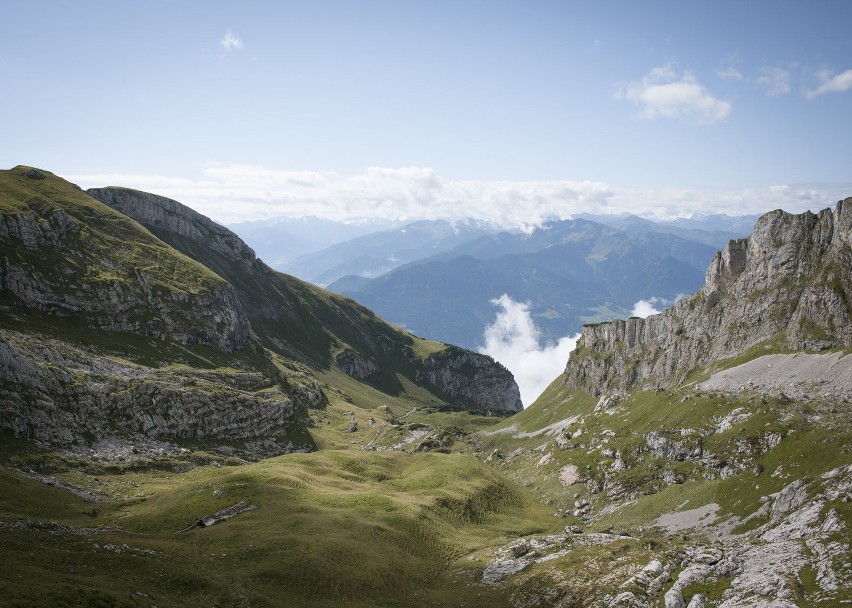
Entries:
{"x":515,"y":341}
{"x":664,"y":93}
{"x":236,"y":192}
{"x":231,"y":42}
{"x":829,"y":82}
{"x":730,"y":73}
{"x":645,"y":308}
{"x":653,"y":306}
{"x":774,"y":80}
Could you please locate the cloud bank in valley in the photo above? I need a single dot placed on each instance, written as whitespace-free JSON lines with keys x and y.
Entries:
{"x":515,"y":341}
{"x":232,"y":193}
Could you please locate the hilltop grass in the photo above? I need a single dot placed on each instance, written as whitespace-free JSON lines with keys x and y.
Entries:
{"x":117,"y":246}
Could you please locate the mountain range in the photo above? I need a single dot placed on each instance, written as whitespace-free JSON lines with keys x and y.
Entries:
{"x":571,"y":271}
{"x":183,"y":425}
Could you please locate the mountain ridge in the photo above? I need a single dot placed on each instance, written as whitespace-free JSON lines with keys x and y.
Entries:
{"x":792,"y":264}
{"x":104,"y":302}
{"x":572,"y":272}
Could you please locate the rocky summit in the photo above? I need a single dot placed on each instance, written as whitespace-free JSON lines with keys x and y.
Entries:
{"x":789,"y":282}
{"x":182,"y":425}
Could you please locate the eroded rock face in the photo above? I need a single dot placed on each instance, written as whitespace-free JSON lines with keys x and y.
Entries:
{"x":163,"y":213}
{"x":791,"y":280}
{"x":475,"y":378}
{"x":356,"y":365}
{"x":56,"y":272}
{"x":63,"y":395}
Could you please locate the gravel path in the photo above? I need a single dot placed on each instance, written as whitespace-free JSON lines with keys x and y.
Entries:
{"x":550,"y":429}
{"x":801,"y":375}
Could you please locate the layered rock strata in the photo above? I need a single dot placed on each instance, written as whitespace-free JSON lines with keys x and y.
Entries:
{"x":61,"y":394}
{"x":788,"y":285}
{"x":476,"y":379}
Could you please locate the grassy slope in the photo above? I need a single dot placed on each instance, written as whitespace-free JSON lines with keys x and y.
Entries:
{"x":115,"y":244}
{"x":816,"y":438}
{"x":368,"y":529}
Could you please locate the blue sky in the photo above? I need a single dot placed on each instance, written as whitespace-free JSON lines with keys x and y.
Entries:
{"x":504,"y":110}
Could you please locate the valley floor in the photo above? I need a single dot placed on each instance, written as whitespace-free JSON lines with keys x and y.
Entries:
{"x":695,"y":497}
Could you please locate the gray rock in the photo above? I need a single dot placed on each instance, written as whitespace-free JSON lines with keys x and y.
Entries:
{"x":64,"y":395}
{"x":473,"y":377}
{"x":790,"y":277}
{"x":789,"y":498}
{"x":355,"y":364}
{"x":697,"y":601}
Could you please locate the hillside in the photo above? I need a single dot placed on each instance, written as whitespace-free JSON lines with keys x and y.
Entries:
{"x":112,"y":330}
{"x":346,"y":462}
{"x":711,"y":442}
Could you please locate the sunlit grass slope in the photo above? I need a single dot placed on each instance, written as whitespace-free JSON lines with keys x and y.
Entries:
{"x":330,"y":528}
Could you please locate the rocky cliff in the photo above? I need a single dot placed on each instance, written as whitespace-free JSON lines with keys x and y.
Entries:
{"x":787,"y":286}
{"x":473,"y":378}
{"x":66,"y":255}
{"x":107,"y":331}
{"x":164,"y":215}
{"x":306,"y":323}
{"x":58,"y":393}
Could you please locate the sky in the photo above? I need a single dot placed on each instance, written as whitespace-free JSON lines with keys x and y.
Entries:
{"x":513,"y":112}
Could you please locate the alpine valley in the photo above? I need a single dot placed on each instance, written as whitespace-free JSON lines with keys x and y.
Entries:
{"x":182,"y":425}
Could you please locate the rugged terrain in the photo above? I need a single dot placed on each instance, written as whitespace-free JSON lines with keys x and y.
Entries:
{"x":286,"y":447}
{"x":714,"y":437}
{"x":180,"y":331}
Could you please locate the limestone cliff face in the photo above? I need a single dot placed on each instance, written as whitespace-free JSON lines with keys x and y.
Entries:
{"x":61,"y":394}
{"x":161,"y":213}
{"x":790,"y":281}
{"x":474,"y":378}
{"x":75,"y":258}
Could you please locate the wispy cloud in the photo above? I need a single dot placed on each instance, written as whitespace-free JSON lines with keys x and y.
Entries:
{"x":515,"y":341}
{"x":829,"y":82}
{"x":664,"y":92}
{"x":231,"y":42}
{"x":239,"y":192}
{"x":730,"y":73}
{"x":774,"y":80}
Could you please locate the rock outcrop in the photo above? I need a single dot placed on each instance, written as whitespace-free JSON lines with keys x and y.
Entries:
{"x":60,"y":394}
{"x":356,"y":365}
{"x":476,"y":379}
{"x":85,"y":262}
{"x":308,"y":324}
{"x":164,"y":214}
{"x":788,"y":285}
